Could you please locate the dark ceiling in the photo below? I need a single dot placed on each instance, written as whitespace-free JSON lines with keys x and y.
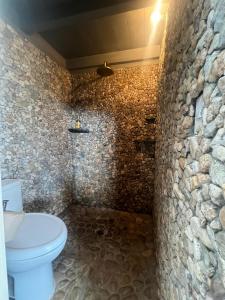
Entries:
{"x":114,"y":33}
{"x":83,"y":28}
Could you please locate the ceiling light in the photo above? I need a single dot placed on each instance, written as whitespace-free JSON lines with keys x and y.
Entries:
{"x":156,"y":16}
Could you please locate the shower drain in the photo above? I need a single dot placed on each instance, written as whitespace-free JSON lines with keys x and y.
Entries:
{"x":100,"y":232}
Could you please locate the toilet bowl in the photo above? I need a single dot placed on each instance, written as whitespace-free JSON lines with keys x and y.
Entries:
{"x":38,"y":241}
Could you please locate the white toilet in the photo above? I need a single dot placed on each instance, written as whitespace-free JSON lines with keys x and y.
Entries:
{"x":38,"y":241}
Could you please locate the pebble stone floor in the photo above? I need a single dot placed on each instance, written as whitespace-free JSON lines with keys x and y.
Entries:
{"x":109,"y":256}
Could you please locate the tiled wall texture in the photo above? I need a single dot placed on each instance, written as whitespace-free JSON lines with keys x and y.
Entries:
{"x":114,"y":164}
{"x":34,"y":147}
{"x":190,"y":153}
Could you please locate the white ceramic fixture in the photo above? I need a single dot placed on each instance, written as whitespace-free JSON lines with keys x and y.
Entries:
{"x":12,"y":221}
{"x":39,"y":239}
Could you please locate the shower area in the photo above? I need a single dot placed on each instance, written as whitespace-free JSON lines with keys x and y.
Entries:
{"x":113,"y":186}
{"x":110,"y":252}
{"x":113,"y":164}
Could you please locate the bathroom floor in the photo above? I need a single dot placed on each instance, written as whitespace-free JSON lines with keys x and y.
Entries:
{"x":109,"y":256}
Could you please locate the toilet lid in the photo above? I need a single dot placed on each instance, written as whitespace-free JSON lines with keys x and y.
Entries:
{"x":37,"y":235}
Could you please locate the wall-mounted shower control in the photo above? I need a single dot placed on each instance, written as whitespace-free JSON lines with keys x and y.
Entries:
{"x":5,"y":202}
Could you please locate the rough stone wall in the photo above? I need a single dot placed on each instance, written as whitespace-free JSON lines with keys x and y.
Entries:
{"x":190,"y":153}
{"x":34,"y":97}
{"x":114,"y":163}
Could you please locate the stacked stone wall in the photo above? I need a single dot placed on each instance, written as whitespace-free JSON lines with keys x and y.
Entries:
{"x":190,"y":153}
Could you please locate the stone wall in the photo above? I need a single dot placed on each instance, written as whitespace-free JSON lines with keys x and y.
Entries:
{"x":114,"y":163}
{"x":34,"y":98}
{"x":190,"y":153}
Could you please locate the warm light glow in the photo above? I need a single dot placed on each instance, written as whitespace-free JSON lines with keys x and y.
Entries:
{"x":156,"y":16}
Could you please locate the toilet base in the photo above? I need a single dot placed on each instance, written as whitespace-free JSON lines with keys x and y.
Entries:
{"x":35,"y":284}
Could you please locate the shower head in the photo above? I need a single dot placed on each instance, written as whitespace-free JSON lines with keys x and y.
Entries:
{"x":105,"y":70}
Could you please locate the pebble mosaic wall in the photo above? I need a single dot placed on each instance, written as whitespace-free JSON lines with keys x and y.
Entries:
{"x":114,"y":164}
{"x":35,"y":112}
{"x":190,"y":153}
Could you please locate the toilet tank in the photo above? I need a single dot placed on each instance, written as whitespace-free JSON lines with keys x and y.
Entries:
{"x":11,"y":190}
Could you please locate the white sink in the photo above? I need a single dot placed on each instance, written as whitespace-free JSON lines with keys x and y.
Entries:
{"x":12,"y":221}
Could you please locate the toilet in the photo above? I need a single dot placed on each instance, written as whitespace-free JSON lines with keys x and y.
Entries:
{"x":38,"y":241}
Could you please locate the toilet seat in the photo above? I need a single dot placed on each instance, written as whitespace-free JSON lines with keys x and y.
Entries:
{"x":38,"y":235}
